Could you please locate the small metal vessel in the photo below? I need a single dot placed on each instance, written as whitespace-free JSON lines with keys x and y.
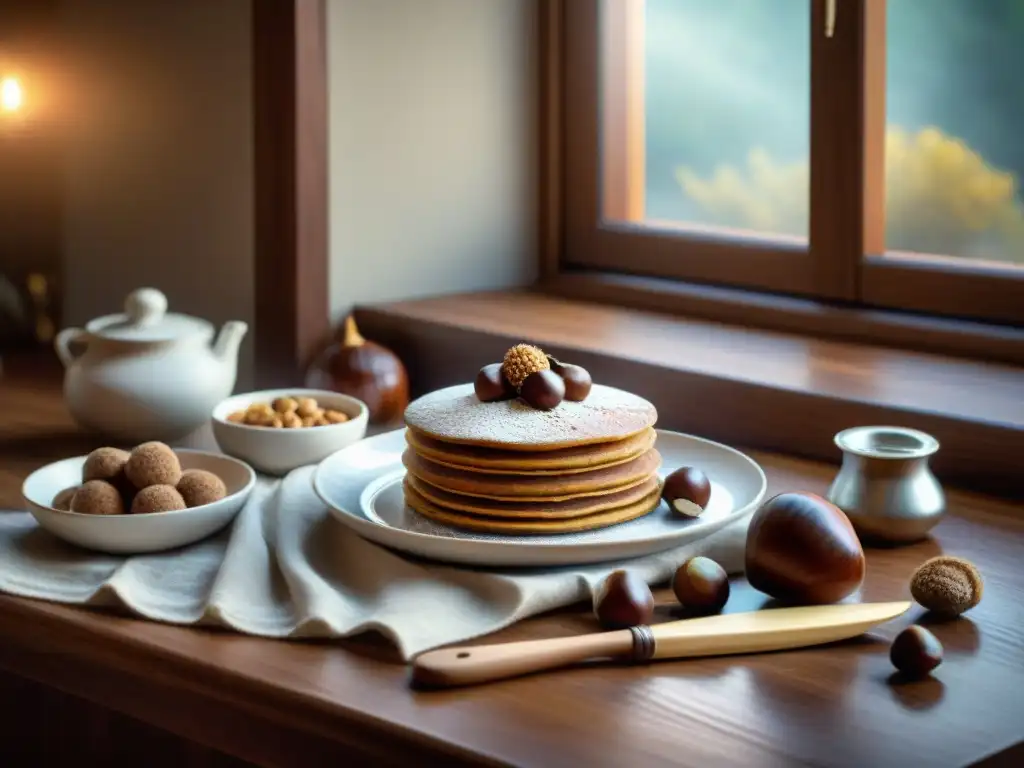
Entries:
{"x":885,"y":485}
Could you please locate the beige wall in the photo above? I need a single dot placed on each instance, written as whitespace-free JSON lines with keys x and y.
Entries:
{"x":433,"y":145}
{"x":159,"y":179}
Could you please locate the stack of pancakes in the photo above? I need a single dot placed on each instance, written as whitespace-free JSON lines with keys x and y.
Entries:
{"x":504,"y":467}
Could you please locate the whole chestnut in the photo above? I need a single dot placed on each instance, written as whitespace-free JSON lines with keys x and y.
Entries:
{"x":623,"y":600}
{"x":701,"y":585}
{"x":577,"y":379}
{"x":543,"y":390}
{"x":365,"y":370}
{"x":490,"y":384}
{"x":915,"y":652}
{"x":802,"y":549}
{"x":687,"y":491}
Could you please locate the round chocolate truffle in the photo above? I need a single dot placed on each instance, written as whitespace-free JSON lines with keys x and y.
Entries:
{"x":104,"y":464}
{"x":97,"y":497}
{"x":153,"y":463}
{"x":543,"y":390}
{"x":157,"y":498}
{"x":198,"y":487}
{"x":62,"y":500}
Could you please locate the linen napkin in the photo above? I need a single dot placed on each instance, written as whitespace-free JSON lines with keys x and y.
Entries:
{"x":286,"y":568}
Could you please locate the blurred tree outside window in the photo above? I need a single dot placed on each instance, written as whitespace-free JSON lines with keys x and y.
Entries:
{"x":727,"y":112}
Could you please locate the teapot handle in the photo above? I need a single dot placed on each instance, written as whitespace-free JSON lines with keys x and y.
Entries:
{"x":62,"y":344}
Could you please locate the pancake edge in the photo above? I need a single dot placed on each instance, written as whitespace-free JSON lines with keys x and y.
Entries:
{"x":598,"y":521}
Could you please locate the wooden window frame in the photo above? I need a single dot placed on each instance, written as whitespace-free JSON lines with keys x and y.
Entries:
{"x":842,"y":266}
{"x":290,"y":137}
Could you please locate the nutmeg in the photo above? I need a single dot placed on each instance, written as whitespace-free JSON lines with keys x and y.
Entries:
{"x":365,"y":370}
{"x":947,"y":586}
{"x":522,"y":360}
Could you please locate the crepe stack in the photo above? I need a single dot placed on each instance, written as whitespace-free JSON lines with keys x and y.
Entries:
{"x":508,"y":468}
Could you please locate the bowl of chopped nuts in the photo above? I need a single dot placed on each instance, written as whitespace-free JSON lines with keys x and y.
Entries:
{"x":278,"y":430}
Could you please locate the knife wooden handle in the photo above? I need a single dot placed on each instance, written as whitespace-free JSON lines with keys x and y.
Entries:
{"x":735,"y":633}
{"x":483,"y":663}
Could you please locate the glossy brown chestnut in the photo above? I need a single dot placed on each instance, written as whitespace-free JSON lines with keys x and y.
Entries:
{"x":687,"y":491}
{"x":701,"y":585}
{"x":543,"y":390}
{"x":915,"y":652}
{"x":623,"y":600}
{"x":365,"y":370}
{"x":577,"y":379}
{"x":490,"y":384}
{"x":802,"y":549}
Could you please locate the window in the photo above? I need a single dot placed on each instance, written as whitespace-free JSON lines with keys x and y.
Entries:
{"x":859,"y":151}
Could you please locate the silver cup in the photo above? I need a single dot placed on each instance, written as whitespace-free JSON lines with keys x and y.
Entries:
{"x":885,"y":485}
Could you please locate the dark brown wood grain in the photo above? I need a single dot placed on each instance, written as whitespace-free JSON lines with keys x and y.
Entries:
{"x":290,"y":90}
{"x":814,"y":319}
{"x":278,"y":703}
{"x":947,"y":287}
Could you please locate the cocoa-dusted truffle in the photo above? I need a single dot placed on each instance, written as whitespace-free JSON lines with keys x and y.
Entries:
{"x":947,"y":586}
{"x":521,"y":361}
{"x":153,"y":463}
{"x":198,"y":487}
{"x":157,"y":498}
{"x":97,"y":497}
{"x":62,"y":500}
{"x":105,"y":464}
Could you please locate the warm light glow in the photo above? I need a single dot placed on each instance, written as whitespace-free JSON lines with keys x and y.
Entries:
{"x":10,"y":94}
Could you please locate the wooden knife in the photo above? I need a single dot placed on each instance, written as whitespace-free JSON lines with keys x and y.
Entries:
{"x":771,"y":629}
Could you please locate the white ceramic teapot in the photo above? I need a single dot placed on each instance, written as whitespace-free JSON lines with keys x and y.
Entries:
{"x":148,"y":374}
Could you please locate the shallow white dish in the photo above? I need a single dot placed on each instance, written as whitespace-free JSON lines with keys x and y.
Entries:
{"x":279,"y":451}
{"x":362,"y":486}
{"x":137,"y":534}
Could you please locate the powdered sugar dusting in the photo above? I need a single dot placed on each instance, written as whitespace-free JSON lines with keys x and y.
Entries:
{"x":455,"y":414}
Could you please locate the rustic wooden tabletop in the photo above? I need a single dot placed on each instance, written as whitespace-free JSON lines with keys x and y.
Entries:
{"x":300,"y":703}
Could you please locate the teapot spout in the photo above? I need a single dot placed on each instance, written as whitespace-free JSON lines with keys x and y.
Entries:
{"x":225,"y":348}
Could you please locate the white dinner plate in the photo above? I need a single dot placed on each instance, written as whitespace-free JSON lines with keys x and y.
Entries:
{"x":362,"y":486}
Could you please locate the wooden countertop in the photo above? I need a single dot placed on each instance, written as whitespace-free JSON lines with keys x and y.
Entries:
{"x":304,"y":703}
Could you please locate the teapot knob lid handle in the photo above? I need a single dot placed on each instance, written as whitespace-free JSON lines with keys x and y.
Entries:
{"x":145,"y":306}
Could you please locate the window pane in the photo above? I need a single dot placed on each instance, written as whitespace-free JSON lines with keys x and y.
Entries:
{"x":954,"y":142}
{"x":705,"y":113}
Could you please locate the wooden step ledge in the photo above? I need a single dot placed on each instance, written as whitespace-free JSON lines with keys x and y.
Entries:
{"x":760,"y":389}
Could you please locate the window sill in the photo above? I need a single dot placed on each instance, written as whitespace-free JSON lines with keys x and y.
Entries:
{"x":944,"y":336}
{"x":760,"y":389}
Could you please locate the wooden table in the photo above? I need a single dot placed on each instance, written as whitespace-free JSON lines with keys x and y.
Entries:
{"x":85,"y":682}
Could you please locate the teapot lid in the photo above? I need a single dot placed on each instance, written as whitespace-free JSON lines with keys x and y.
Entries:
{"x":145,"y":318}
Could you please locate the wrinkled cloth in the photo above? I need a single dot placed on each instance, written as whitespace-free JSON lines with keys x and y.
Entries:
{"x":285,"y":568}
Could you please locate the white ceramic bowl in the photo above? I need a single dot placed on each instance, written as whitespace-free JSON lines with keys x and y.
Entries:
{"x":137,"y":534}
{"x":279,"y":451}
